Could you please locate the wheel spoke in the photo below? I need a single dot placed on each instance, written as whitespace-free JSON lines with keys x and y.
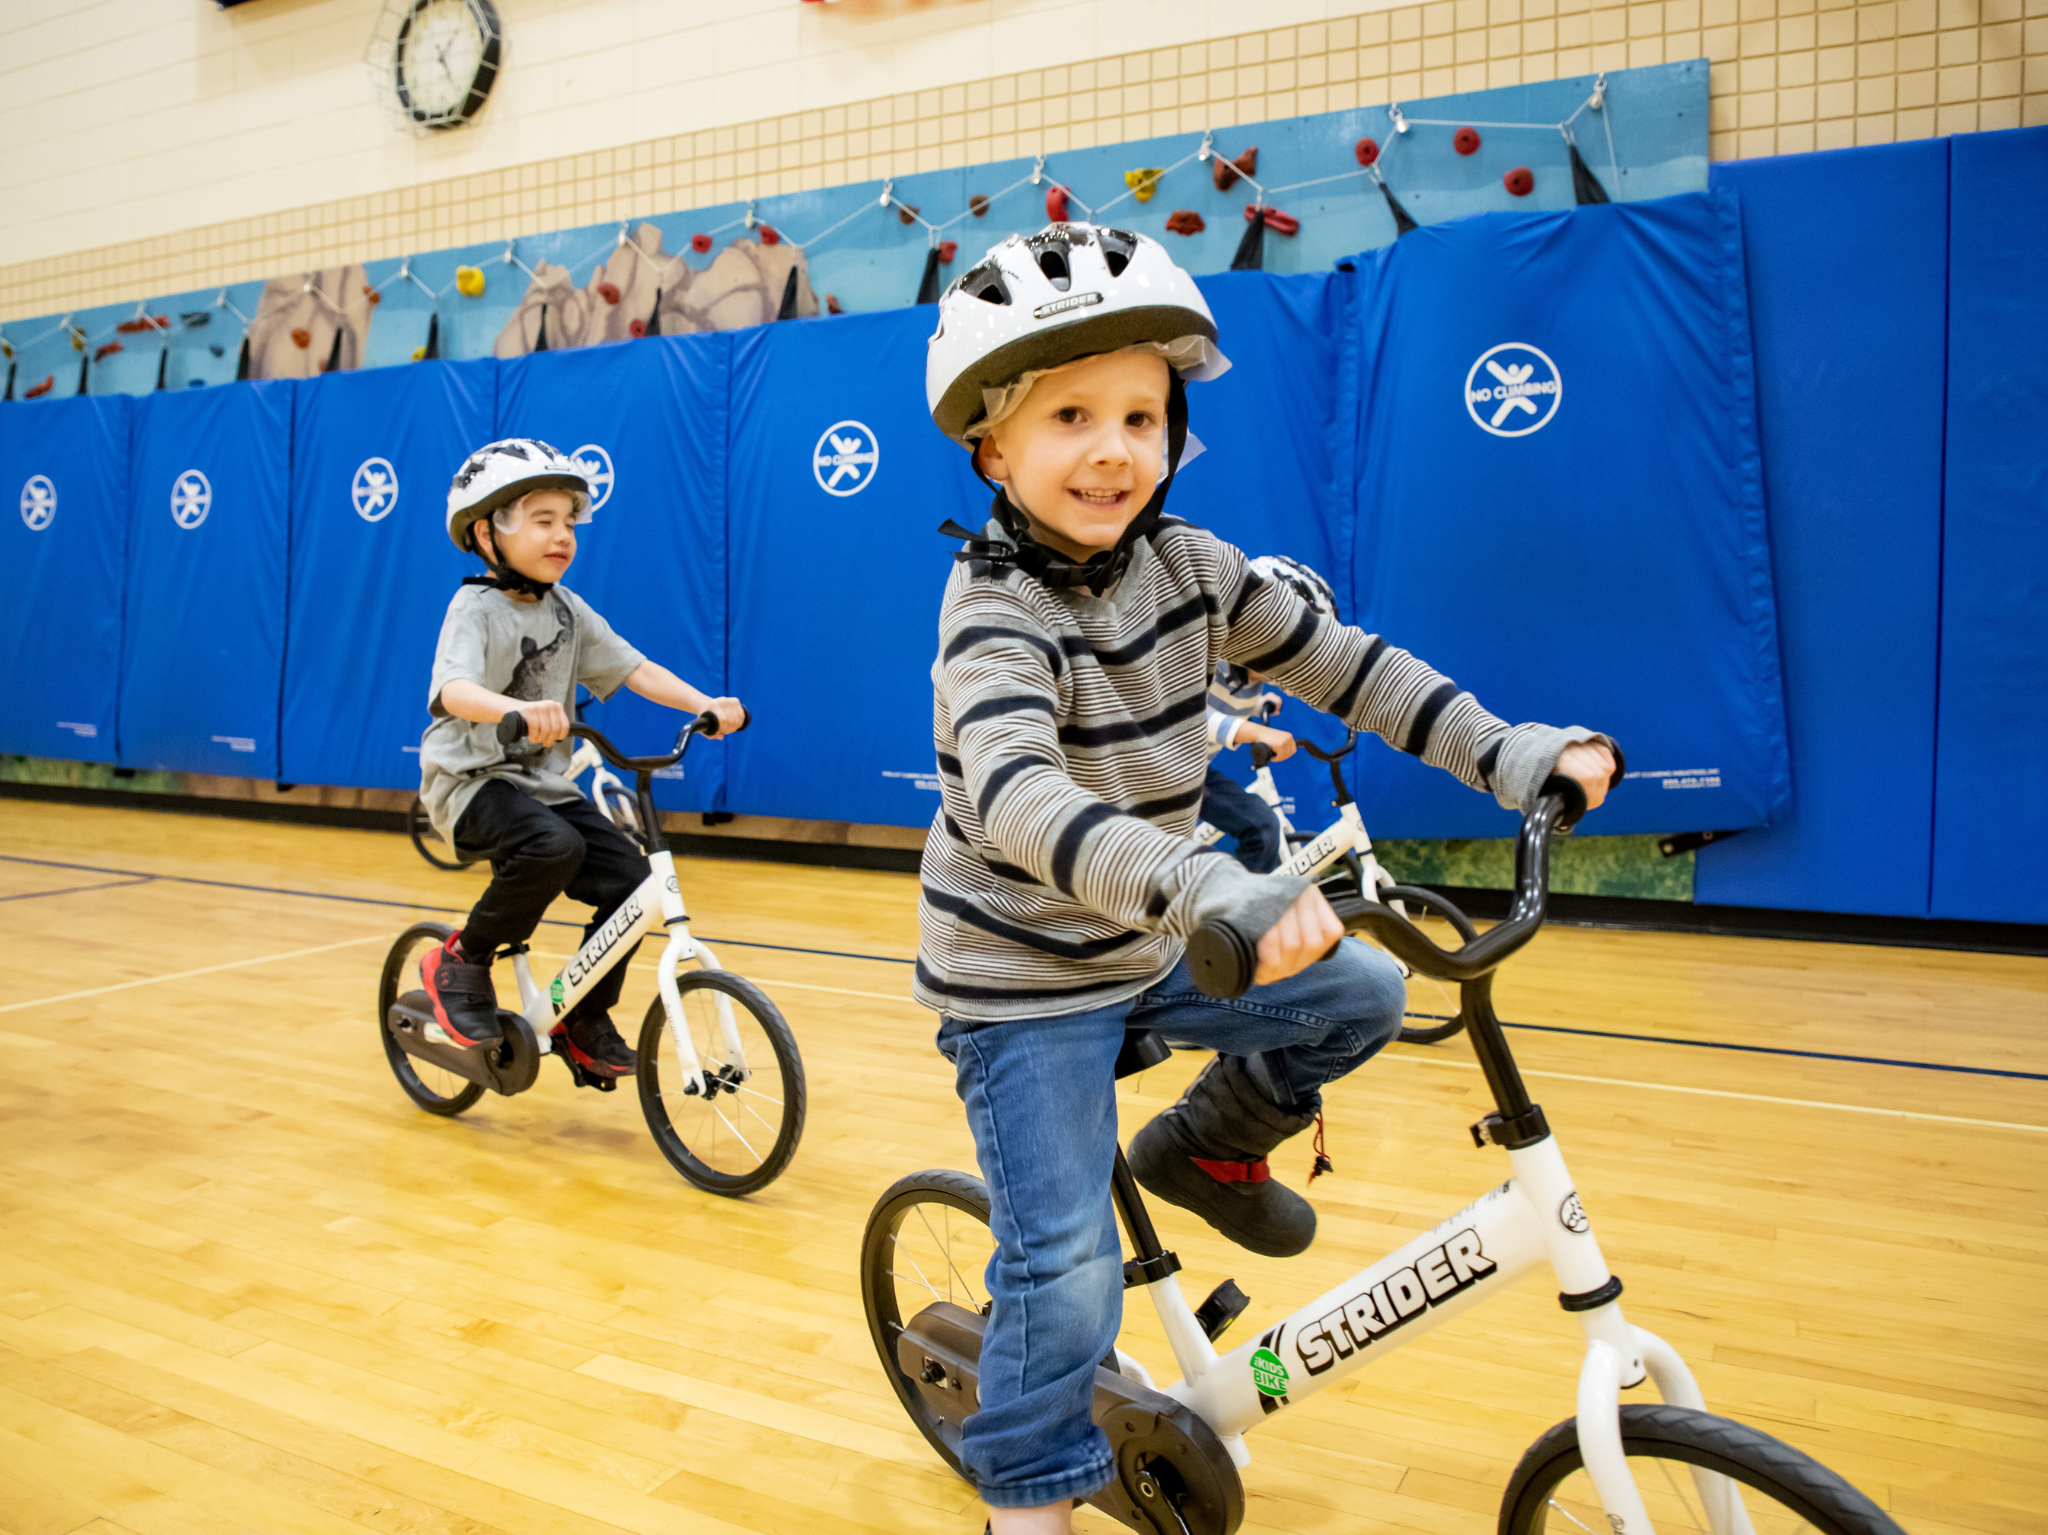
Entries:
{"x":735,"y":1132}
{"x":1571,"y":1516}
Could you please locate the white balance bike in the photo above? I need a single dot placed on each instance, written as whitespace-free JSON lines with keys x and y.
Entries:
{"x":1179,"y":1447}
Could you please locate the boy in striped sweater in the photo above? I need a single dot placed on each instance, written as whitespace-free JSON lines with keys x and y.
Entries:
{"x":1077,"y":639}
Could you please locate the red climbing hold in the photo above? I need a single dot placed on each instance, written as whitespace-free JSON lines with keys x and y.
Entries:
{"x":302,"y":338}
{"x":1280,"y":223}
{"x":906,"y":214}
{"x":1184,"y":221}
{"x":144,"y":322}
{"x":1367,"y":150}
{"x":1225,"y":172}
{"x":948,"y":249}
{"x":609,"y":291}
{"x":700,"y":243}
{"x":637,"y":328}
{"x":769,"y":236}
{"x":1466,"y":141}
{"x":832,"y":304}
{"x":107,"y":349}
{"x":977,"y":205}
{"x":36,"y":392}
{"x":1520,"y":181}
{"x":1056,"y":203}
{"x":369,"y":293}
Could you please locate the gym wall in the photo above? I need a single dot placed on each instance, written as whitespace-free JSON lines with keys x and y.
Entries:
{"x":149,"y":149}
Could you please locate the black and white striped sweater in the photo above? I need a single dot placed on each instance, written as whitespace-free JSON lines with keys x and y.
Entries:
{"x":1072,"y":747}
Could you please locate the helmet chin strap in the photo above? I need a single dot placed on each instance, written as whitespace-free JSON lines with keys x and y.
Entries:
{"x":503,"y":576}
{"x":1100,"y":571}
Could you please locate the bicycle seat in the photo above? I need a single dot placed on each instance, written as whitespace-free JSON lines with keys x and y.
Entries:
{"x":1142,"y":1048}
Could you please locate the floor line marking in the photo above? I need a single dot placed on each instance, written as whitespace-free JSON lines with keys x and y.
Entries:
{"x":186,"y":975}
{"x":1721,"y":1092}
{"x":117,"y":884}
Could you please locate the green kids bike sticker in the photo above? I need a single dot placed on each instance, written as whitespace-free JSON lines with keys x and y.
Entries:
{"x":1268,"y":1373}
{"x":555,"y":992}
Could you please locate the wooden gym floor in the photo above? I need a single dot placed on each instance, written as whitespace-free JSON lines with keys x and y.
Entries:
{"x":245,"y":1286}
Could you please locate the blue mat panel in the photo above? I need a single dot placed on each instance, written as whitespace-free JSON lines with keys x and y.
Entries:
{"x":65,"y":467}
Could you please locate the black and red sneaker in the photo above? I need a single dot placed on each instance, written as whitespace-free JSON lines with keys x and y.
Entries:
{"x":465,"y":1002}
{"x":595,"y":1045}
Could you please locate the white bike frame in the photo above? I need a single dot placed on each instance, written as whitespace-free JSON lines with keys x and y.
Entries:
{"x":658,"y":900}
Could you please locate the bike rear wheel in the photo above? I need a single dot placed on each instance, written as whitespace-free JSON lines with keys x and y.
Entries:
{"x":927,"y":1240}
{"x":1421,"y":905}
{"x":1783,"y":1490}
{"x":431,"y":1087}
{"x":625,"y":815}
{"x":739,"y":1135}
{"x":428,"y":842}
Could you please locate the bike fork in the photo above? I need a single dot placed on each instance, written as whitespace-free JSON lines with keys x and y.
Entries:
{"x":682,"y":946}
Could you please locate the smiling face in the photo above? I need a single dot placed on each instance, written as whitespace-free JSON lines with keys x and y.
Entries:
{"x":543,"y":544}
{"x":1081,"y":455}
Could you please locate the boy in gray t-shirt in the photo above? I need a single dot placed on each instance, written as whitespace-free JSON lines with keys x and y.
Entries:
{"x":516,"y":642}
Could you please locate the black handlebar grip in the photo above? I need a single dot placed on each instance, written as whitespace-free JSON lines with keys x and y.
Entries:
{"x":1573,"y":795}
{"x":511,"y":728}
{"x":1222,"y":960}
{"x":1261,"y":754}
{"x":707,"y":722}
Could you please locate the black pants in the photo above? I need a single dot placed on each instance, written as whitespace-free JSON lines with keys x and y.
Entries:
{"x":1235,"y":811}
{"x":538,"y":852}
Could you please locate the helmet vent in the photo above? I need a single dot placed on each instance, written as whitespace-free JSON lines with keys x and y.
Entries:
{"x":1117,"y":249}
{"x":1052,"y":260}
{"x":986,"y":283}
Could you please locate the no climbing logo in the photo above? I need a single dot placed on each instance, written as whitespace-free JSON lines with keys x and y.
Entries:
{"x":1513,"y":390}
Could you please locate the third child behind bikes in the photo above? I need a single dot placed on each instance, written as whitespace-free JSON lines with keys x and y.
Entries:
{"x":1077,"y":638}
{"x":518,"y":642}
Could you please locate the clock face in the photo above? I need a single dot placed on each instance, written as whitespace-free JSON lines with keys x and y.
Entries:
{"x":446,"y":60}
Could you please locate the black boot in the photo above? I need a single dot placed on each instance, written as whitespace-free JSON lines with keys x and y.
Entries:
{"x":1208,"y":1154}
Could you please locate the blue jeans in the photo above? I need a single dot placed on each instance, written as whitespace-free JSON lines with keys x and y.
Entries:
{"x":1041,"y":1101}
{"x":1235,"y":811}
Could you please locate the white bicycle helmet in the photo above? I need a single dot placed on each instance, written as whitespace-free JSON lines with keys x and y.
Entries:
{"x":499,"y":473}
{"x":1042,"y":301}
{"x":1303,"y":582}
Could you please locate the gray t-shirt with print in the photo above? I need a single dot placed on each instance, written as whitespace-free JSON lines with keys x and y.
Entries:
{"x":524,"y":650}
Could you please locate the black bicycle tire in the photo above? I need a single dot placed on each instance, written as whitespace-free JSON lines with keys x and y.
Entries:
{"x":1753,"y":1458}
{"x":1413,"y":895}
{"x":963,"y":1192}
{"x":389,"y":985}
{"x":414,"y":818}
{"x":794,"y":1096}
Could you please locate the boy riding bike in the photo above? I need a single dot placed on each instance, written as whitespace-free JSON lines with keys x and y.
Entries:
{"x":1078,"y":636}
{"x":517,"y":642}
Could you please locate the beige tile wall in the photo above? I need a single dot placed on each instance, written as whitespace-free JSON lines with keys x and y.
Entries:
{"x":1788,"y":75}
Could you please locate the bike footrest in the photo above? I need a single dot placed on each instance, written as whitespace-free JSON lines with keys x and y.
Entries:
{"x":1226,"y":1303}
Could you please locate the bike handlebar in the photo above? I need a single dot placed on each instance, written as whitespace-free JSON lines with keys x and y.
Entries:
{"x":512,"y":729}
{"x":1223,"y":958}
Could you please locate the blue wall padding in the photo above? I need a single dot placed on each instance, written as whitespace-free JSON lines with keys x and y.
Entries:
{"x":203,"y":648}
{"x":835,"y":598}
{"x":1991,"y":777}
{"x":1848,"y":261}
{"x":652,"y":561}
{"x":1611,"y":567}
{"x":64,"y":467}
{"x":372,"y":569}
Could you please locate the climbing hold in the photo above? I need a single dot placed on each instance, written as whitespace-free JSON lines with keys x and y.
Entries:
{"x":37,"y":391}
{"x":832,"y":304}
{"x":1367,"y":150}
{"x":77,"y":340}
{"x":977,"y":205}
{"x":1056,"y":203}
{"x":192,"y":319}
{"x":217,"y":349}
{"x":1520,"y":181}
{"x":144,"y":322}
{"x":469,"y":282}
{"x":1280,"y":223}
{"x":107,"y":349}
{"x":948,"y":249}
{"x":1466,"y":141}
{"x":419,"y":353}
{"x":768,"y":235}
{"x":372,"y":294}
{"x":700,"y":243}
{"x":1225,"y":172}
{"x":1184,"y":221}
{"x":1143,"y":183}
{"x":609,"y":292}
{"x":637,"y":329}
{"x":906,"y":214}
{"x":302,"y":338}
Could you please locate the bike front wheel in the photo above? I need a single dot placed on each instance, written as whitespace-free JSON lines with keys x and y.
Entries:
{"x":927,"y":1240}
{"x":739,"y":1134}
{"x":1675,"y":1453}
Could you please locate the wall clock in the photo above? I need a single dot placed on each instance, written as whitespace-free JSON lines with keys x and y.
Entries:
{"x":445,"y":60}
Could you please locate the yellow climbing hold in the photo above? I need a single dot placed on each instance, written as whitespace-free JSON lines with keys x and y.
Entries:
{"x":1143,"y":183}
{"x":469,"y":281}
{"x":419,"y":353}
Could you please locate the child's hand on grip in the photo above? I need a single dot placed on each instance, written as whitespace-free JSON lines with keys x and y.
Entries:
{"x":1279,"y":742}
{"x":732,"y":715}
{"x":1591,"y":766}
{"x":546,"y":721}
{"x":1302,"y":936}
